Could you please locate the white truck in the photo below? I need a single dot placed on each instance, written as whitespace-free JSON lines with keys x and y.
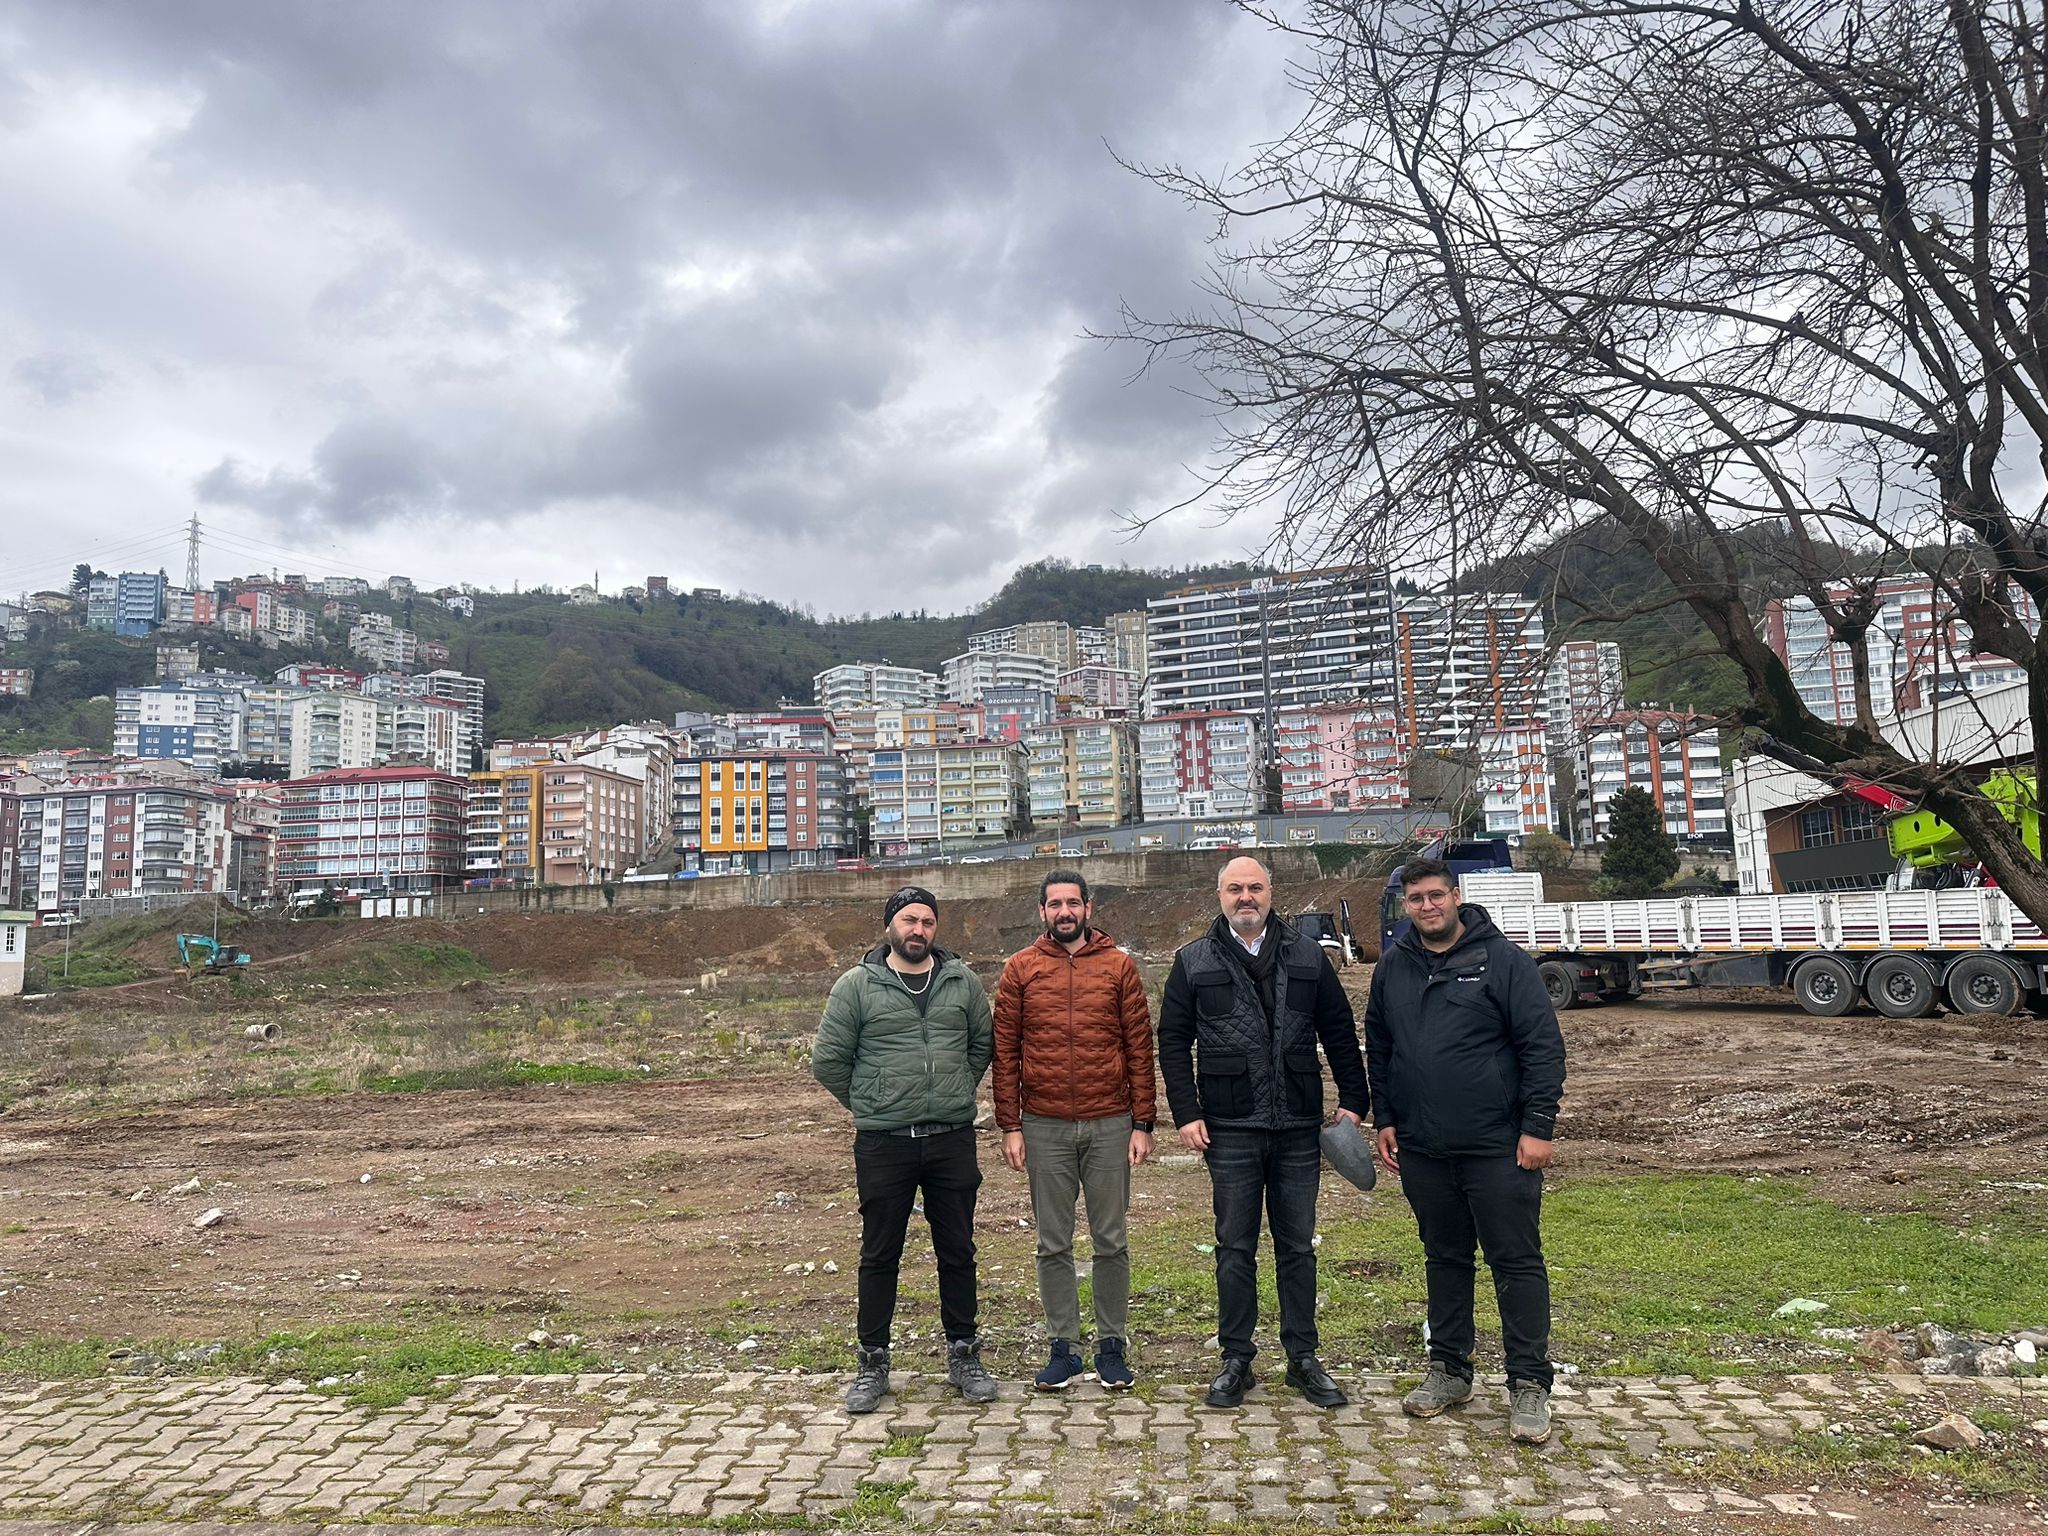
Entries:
{"x":1906,"y":952}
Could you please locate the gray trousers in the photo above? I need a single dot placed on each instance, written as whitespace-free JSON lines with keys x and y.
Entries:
{"x":1069,"y":1160}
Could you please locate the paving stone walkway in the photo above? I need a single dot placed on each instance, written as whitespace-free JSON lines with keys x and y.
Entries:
{"x":761,"y":1449}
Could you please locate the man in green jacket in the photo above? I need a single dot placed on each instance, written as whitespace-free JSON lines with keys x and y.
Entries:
{"x":905,"y":1038}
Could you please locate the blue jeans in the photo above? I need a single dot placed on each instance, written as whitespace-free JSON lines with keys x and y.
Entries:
{"x":1280,"y":1171}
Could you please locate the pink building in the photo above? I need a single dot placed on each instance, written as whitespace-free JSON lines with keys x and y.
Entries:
{"x":1340,"y":757}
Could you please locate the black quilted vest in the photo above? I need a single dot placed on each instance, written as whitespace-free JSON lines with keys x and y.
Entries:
{"x":1249,"y":1074}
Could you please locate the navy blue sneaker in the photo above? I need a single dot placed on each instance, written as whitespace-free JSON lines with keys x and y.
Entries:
{"x":1061,"y":1369}
{"x":1110,"y":1367}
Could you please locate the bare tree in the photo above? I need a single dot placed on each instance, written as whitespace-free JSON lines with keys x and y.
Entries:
{"x":1697,"y":269}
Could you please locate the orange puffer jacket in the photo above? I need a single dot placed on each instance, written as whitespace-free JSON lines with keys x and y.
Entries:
{"x":1073,"y":1035}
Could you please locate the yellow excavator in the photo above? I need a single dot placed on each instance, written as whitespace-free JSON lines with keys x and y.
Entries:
{"x":1925,"y":841}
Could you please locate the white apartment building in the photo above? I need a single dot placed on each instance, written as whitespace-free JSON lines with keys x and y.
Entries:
{"x":959,"y":793}
{"x":379,"y":641}
{"x":1515,"y":784}
{"x":1199,"y":764}
{"x":329,"y":731}
{"x":1468,"y":663}
{"x":1269,"y":643}
{"x":196,"y":720}
{"x":968,"y":677}
{"x":1096,"y":688}
{"x":855,"y":683}
{"x":1917,"y":651}
{"x":645,"y":754}
{"x":1584,"y":685}
{"x":1065,"y":645}
{"x":458,"y":689}
{"x":1669,"y":753}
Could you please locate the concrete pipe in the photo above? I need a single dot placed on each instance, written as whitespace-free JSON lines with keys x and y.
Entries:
{"x":262,"y":1032}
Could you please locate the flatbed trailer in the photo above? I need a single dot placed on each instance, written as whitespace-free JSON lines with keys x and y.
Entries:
{"x":1906,"y":952}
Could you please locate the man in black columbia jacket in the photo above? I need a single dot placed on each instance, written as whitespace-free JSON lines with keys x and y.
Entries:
{"x":1244,"y":1008}
{"x":1467,"y":1067}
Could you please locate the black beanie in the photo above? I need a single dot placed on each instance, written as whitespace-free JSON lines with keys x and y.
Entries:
{"x":909,"y":896}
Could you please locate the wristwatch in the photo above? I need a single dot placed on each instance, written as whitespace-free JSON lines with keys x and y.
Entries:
{"x":1142,"y":1125}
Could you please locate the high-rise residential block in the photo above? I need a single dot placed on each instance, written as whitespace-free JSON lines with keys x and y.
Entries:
{"x":959,"y":794}
{"x":1340,"y":757}
{"x":1200,"y":763}
{"x":401,"y":828}
{"x":856,"y":683}
{"x":1083,"y":771}
{"x":763,"y":813}
{"x":197,"y":719}
{"x":1672,"y":754}
{"x":1584,"y":686}
{"x":968,"y":677}
{"x":121,"y":836}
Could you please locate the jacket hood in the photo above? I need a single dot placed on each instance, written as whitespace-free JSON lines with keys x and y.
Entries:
{"x":1097,"y":941}
{"x":1479,"y":929}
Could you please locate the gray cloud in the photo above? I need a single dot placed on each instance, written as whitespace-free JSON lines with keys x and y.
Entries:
{"x":58,"y":378}
{"x":695,"y":272}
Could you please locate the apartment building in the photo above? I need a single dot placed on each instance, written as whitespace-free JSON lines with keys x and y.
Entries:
{"x":1007,"y":713}
{"x":1065,"y":645}
{"x":1124,"y":645}
{"x":792,"y":729}
{"x":397,"y":828}
{"x":379,"y":641}
{"x":116,"y":835}
{"x":197,"y":719}
{"x":763,"y":813}
{"x":1083,"y":771}
{"x":1200,"y":763}
{"x":947,"y":796}
{"x":1097,"y":689}
{"x":327,"y":731}
{"x":252,"y":839}
{"x":18,"y":682}
{"x":1917,"y":649}
{"x":1270,"y":643}
{"x":646,"y":754}
{"x":423,"y":730}
{"x":1340,"y":757}
{"x":1468,"y":664}
{"x":1584,"y":685}
{"x":857,"y":733}
{"x":1672,"y":754}
{"x":856,"y":683}
{"x":554,"y":823}
{"x":341,"y":586}
{"x":1516,"y":787}
{"x":968,"y":677}
{"x":130,"y":604}
{"x":448,"y":687}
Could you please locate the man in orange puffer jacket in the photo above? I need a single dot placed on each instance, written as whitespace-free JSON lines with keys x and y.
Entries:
{"x":1075,"y":1100}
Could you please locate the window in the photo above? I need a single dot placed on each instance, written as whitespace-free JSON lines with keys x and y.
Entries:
{"x":1859,"y":824}
{"x":1816,"y":829}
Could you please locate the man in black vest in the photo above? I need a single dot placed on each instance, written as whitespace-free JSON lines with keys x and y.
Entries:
{"x":1244,"y":1007}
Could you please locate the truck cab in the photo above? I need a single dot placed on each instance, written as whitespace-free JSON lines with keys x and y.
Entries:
{"x":1465,"y":858}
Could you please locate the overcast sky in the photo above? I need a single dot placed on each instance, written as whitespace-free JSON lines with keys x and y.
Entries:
{"x":779,"y":297}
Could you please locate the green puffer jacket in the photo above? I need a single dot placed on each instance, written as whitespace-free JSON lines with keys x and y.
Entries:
{"x":893,"y":1066}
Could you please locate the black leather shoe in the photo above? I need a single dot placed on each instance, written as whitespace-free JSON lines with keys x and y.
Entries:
{"x":1231,"y":1383}
{"x":1306,"y":1375}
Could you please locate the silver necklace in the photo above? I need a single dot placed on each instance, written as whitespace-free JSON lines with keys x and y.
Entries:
{"x":904,"y":977}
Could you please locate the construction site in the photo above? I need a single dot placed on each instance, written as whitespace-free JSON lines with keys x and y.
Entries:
{"x":387,"y":1157}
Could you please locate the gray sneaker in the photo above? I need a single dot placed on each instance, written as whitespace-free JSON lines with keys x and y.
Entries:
{"x":964,"y":1370}
{"x":870,"y":1382}
{"x":1441,"y":1388}
{"x":1528,"y":1412}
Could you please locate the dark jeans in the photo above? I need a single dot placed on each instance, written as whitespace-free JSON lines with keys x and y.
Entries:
{"x":891,"y":1172}
{"x":1488,"y":1200}
{"x":1279,"y":1170}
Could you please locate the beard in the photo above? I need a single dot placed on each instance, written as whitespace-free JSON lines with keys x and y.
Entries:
{"x":1247,"y":919}
{"x":915,"y":949}
{"x":1067,"y":929}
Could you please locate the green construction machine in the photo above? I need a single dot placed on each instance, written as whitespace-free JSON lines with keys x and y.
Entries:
{"x":1925,"y":841}
{"x":201,"y":954}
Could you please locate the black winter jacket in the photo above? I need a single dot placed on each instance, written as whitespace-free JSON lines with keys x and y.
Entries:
{"x":1252,"y":1072}
{"x":1463,"y":1048}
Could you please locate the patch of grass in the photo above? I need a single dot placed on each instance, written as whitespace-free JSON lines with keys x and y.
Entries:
{"x":877,"y":1504}
{"x":1649,"y":1276}
{"x":1875,"y":1457}
{"x":372,"y":1366}
{"x":401,"y":965}
{"x":903,"y":1445}
{"x":496,"y":1074}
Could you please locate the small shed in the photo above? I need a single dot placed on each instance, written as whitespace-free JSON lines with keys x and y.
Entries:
{"x":14,"y":928}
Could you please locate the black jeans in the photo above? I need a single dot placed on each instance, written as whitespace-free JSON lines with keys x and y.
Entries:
{"x":1488,"y":1200}
{"x":890,"y":1172}
{"x":1278,"y":1170}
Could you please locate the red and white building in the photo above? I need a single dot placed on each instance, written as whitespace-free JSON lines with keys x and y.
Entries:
{"x":18,"y":681}
{"x":1340,"y":757}
{"x":1199,"y":763}
{"x":116,"y":835}
{"x":1672,"y":754}
{"x":1515,"y":785}
{"x":369,"y":828}
{"x":1097,"y":689}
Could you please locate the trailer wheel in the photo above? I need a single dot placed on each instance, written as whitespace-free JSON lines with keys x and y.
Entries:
{"x":1980,"y":984}
{"x":1824,"y":987}
{"x":1899,"y":988}
{"x":1561,"y":981}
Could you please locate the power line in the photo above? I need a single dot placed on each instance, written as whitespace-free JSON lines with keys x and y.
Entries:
{"x":252,"y":543}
